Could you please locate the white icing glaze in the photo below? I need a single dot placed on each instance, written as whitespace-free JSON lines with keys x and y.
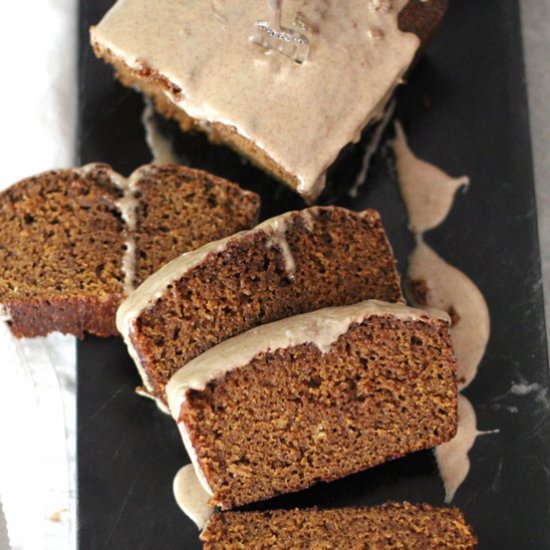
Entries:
{"x":320,"y":328}
{"x":204,"y":51}
{"x":277,"y":238}
{"x":452,"y":457}
{"x":428,"y":192}
{"x":371,"y":148}
{"x":127,"y":206}
{"x":144,"y":392}
{"x":447,"y":288}
{"x":190,"y":496}
{"x":160,"y":146}
{"x":308,"y":219}
{"x":88,"y":169}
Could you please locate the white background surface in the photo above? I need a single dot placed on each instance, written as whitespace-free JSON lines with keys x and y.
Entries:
{"x":38,"y":114}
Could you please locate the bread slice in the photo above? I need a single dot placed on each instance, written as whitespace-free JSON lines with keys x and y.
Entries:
{"x":315,"y":397}
{"x":391,"y":525}
{"x":297,"y":262}
{"x":181,"y":209}
{"x":291,"y":120}
{"x":76,"y":241}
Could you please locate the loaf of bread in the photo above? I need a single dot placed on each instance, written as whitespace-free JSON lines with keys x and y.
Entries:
{"x":290,"y":119}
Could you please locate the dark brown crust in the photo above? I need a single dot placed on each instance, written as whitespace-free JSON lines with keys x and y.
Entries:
{"x":76,"y":315}
{"x":391,"y":525}
{"x":420,"y":18}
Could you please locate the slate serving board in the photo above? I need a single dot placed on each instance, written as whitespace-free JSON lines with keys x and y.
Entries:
{"x":464,"y":109}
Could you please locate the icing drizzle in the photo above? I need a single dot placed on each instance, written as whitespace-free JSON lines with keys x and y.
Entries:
{"x":127,"y":206}
{"x":160,"y":147}
{"x":370,"y":149}
{"x":191,"y":497}
{"x":277,"y":238}
{"x":428,"y":194}
{"x":435,"y":283}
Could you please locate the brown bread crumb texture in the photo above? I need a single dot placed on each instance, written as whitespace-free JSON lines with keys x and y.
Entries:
{"x":389,"y":526}
{"x":63,"y":239}
{"x":61,"y":252}
{"x":181,"y":209}
{"x":418,"y":16}
{"x":341,"y":257}
{"x":293,"y":417}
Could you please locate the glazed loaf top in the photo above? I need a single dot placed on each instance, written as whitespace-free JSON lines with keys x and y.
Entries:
{"x":205,"y":63}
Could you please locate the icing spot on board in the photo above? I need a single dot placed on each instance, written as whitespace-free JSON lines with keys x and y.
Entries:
{"x":509,"y":400}
{"x":160,"y":147}
{"x":432,"y":282}
{"x":452,"y":457}
{"x":191,"y":497}
{"x":523,"y":389}
{"x":427,"y":191}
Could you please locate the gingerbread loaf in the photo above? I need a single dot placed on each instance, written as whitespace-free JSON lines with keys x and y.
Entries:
{"x":290,"y":264}
{"x":315,"y":397}
{"x":75,"y":242}
{"x":203,"y":71}
{"x":389,"y":526}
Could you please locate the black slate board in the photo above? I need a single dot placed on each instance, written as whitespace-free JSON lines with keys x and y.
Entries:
{"x":472,"y":77}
